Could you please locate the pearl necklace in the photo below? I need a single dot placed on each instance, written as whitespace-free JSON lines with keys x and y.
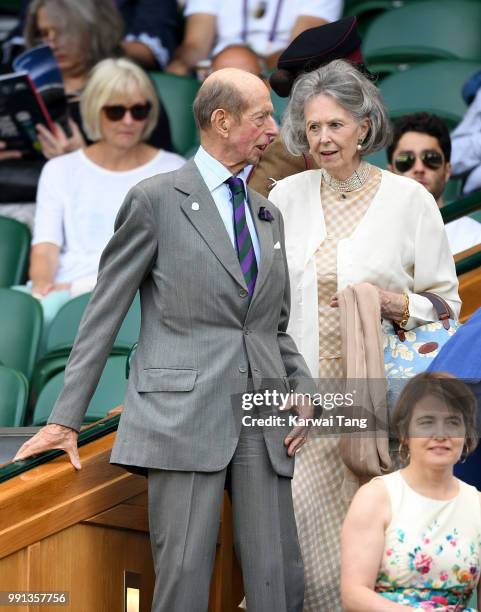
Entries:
{"x":355,"y":181}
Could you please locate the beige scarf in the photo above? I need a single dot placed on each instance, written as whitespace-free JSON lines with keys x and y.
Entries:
{"x":366,"y":452}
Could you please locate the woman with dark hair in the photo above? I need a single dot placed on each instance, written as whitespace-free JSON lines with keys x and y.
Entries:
{"x":412,"y":538}
{"x":80,"y":34}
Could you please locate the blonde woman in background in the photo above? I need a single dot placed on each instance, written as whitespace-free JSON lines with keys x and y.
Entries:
{"x":80,"y":193}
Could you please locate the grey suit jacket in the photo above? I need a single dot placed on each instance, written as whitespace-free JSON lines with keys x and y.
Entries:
{"x":200,"y":334}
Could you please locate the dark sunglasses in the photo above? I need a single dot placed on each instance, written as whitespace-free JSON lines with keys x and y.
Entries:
{"x":405,"y":160}
{"x":116,"y":112}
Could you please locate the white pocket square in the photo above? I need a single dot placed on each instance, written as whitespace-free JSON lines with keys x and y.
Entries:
{"x":277,"y":245}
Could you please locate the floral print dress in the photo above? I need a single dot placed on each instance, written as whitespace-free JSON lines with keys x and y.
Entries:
{"x":432,"y":550}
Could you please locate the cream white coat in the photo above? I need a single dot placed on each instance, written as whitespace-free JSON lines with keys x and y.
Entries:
{"x":399,"y":245}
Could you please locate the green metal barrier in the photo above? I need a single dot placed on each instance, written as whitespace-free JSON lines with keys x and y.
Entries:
{"x":461,"y":207}
{"x":89,"y":434}
{"x":468,"y":263}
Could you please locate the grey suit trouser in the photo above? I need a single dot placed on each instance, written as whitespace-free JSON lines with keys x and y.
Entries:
{"x":184,"y":515}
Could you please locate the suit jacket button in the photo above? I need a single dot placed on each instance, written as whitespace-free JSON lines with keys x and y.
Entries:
{"x":243,"y":293}
{"x":242,"y":369}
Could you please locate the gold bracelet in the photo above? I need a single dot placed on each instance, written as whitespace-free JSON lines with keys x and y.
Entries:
{"x":405,"y":316}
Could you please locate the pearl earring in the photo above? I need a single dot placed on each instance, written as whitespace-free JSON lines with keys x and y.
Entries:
{"x":359,"y":145}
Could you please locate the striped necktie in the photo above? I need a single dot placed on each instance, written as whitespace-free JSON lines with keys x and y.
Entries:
{"x":245,"y":248}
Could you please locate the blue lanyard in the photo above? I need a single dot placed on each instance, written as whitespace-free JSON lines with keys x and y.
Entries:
{"x":273,"y":31}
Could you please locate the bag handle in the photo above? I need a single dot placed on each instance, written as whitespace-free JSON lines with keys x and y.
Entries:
{"x":442,"y":310}
{"x":441,"y":306}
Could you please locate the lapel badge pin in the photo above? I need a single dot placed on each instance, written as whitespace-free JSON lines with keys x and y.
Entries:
{"x":195,"y":206}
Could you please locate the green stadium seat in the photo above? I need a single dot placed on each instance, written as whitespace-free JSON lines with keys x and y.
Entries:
{"x":453,"y":189}
{"x":358,"y":7}
{"x":192,"y":151}
{"x":14,"y":249}
{"x":378,"y":159}
{"x":61,"y":337}
{"x":13,"y":397}
{"x":45,"y":369}
{"x":109,"y":394}
{"x":177,"y":94}
{"x":64,"y":327}
{"x":21,"y":322}
{"x":423,"y":31}
{"x":434,"y":87}
{"x":367,"y":10}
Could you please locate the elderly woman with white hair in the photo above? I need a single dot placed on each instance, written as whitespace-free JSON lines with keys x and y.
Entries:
{"x":80,"y":193}
{"x":348,"y":222}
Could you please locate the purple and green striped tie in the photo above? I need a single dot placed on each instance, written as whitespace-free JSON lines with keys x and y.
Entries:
{"x":245,"y":248}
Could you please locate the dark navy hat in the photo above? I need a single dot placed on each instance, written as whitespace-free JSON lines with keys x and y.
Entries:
{"x":315,"y":47}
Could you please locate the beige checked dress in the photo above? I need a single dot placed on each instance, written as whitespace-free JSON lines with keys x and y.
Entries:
{"x":316,"y":487}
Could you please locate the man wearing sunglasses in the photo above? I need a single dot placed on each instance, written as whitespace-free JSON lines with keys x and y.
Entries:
{"x":421,"y":149}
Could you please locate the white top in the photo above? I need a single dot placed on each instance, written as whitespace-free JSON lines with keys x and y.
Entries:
{"x":77,"y":202}
{"x":466,"y":146}
{"x":463,"y":234}
{"x":432,"y":547}
{"x":230,"y":20}
{"x":399,"y":245}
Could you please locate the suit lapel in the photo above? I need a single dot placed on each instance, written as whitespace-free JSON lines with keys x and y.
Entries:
{"x":264,"y":234}
{"x":202,"y":212}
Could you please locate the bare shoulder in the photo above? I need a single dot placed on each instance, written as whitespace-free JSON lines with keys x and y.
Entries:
{"x":371,"y":500}
{"x":374,"y":491}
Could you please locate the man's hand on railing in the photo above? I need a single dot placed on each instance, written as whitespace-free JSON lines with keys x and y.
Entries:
{"x":52,"y":436}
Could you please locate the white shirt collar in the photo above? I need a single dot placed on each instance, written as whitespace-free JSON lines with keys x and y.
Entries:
{"x":214,"y":172}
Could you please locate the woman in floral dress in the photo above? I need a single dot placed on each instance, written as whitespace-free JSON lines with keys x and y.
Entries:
{"x":412,"y":539}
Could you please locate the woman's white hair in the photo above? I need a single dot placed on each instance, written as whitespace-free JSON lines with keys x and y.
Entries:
{"x":349,"y":88}
{"x":115,"y":79}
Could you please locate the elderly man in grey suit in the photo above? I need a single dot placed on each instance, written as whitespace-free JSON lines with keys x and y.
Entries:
{"x":208,"y":257}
